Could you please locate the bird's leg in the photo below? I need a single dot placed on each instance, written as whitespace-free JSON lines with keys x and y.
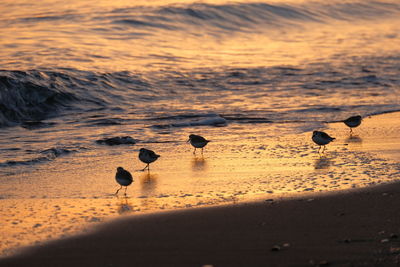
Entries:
{"x":351,"y":130}
{"x":194,"y":151}
{"x":118,"y":190}
{"x":319,"y":149}
{"x":147,"y":166}
{"x":202,"y":150}
{"x":125,"y":190}
{"x":323,"y":150}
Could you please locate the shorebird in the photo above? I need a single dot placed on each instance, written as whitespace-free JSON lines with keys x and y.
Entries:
{"x":353,"y":122}
{"x":147,"y":156}
{"x":124,"y":178}
{"x":321,"y":139}
{"x":197,"y":141}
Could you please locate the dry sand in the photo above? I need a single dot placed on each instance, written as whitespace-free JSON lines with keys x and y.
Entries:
{"x":358,"y":227}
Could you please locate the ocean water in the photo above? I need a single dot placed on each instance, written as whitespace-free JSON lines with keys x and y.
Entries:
{"x":74,"y":72}
{"x":74,"y":68}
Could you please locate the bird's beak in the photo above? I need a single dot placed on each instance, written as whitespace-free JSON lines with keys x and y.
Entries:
{"x":188,"y":140}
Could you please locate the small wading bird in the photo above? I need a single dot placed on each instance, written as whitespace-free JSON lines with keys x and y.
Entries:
{"x":147,"y":156}
{"x":124,"y":178}
{"x":321,"y":139}
{"x":353,"y":122}
{"x":197,"y":141}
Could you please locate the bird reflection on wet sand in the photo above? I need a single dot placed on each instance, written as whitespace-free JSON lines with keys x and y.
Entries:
{"x":123,"y":205}
{"x":322,"y":163}
{"x":148,"y":183}
{"x":148,"y":189}
{"x":354,"y":139}
{"x":199,"y":164}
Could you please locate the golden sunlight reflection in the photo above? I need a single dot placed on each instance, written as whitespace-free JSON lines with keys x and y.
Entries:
{"x":246,"y":165}
{"x":147,"y":69}
{"x":132,"y":48}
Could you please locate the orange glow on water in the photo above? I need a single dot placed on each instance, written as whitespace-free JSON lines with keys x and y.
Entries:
{"x":84,"y":45}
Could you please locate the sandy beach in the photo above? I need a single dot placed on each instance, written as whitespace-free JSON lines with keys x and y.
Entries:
{"x":357,"y":228}
{"x":349,"y":220}
{"x":86,"y":85}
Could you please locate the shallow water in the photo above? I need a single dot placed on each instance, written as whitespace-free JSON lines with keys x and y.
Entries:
{"x":75,"y":72}
{"x":254,"y":77}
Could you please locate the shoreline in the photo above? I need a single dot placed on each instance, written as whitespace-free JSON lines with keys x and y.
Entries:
{"x":357,"y":228}
{"x":351,"y":161}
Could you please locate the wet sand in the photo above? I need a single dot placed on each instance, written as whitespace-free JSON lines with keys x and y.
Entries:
{"x":357,"y":227}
